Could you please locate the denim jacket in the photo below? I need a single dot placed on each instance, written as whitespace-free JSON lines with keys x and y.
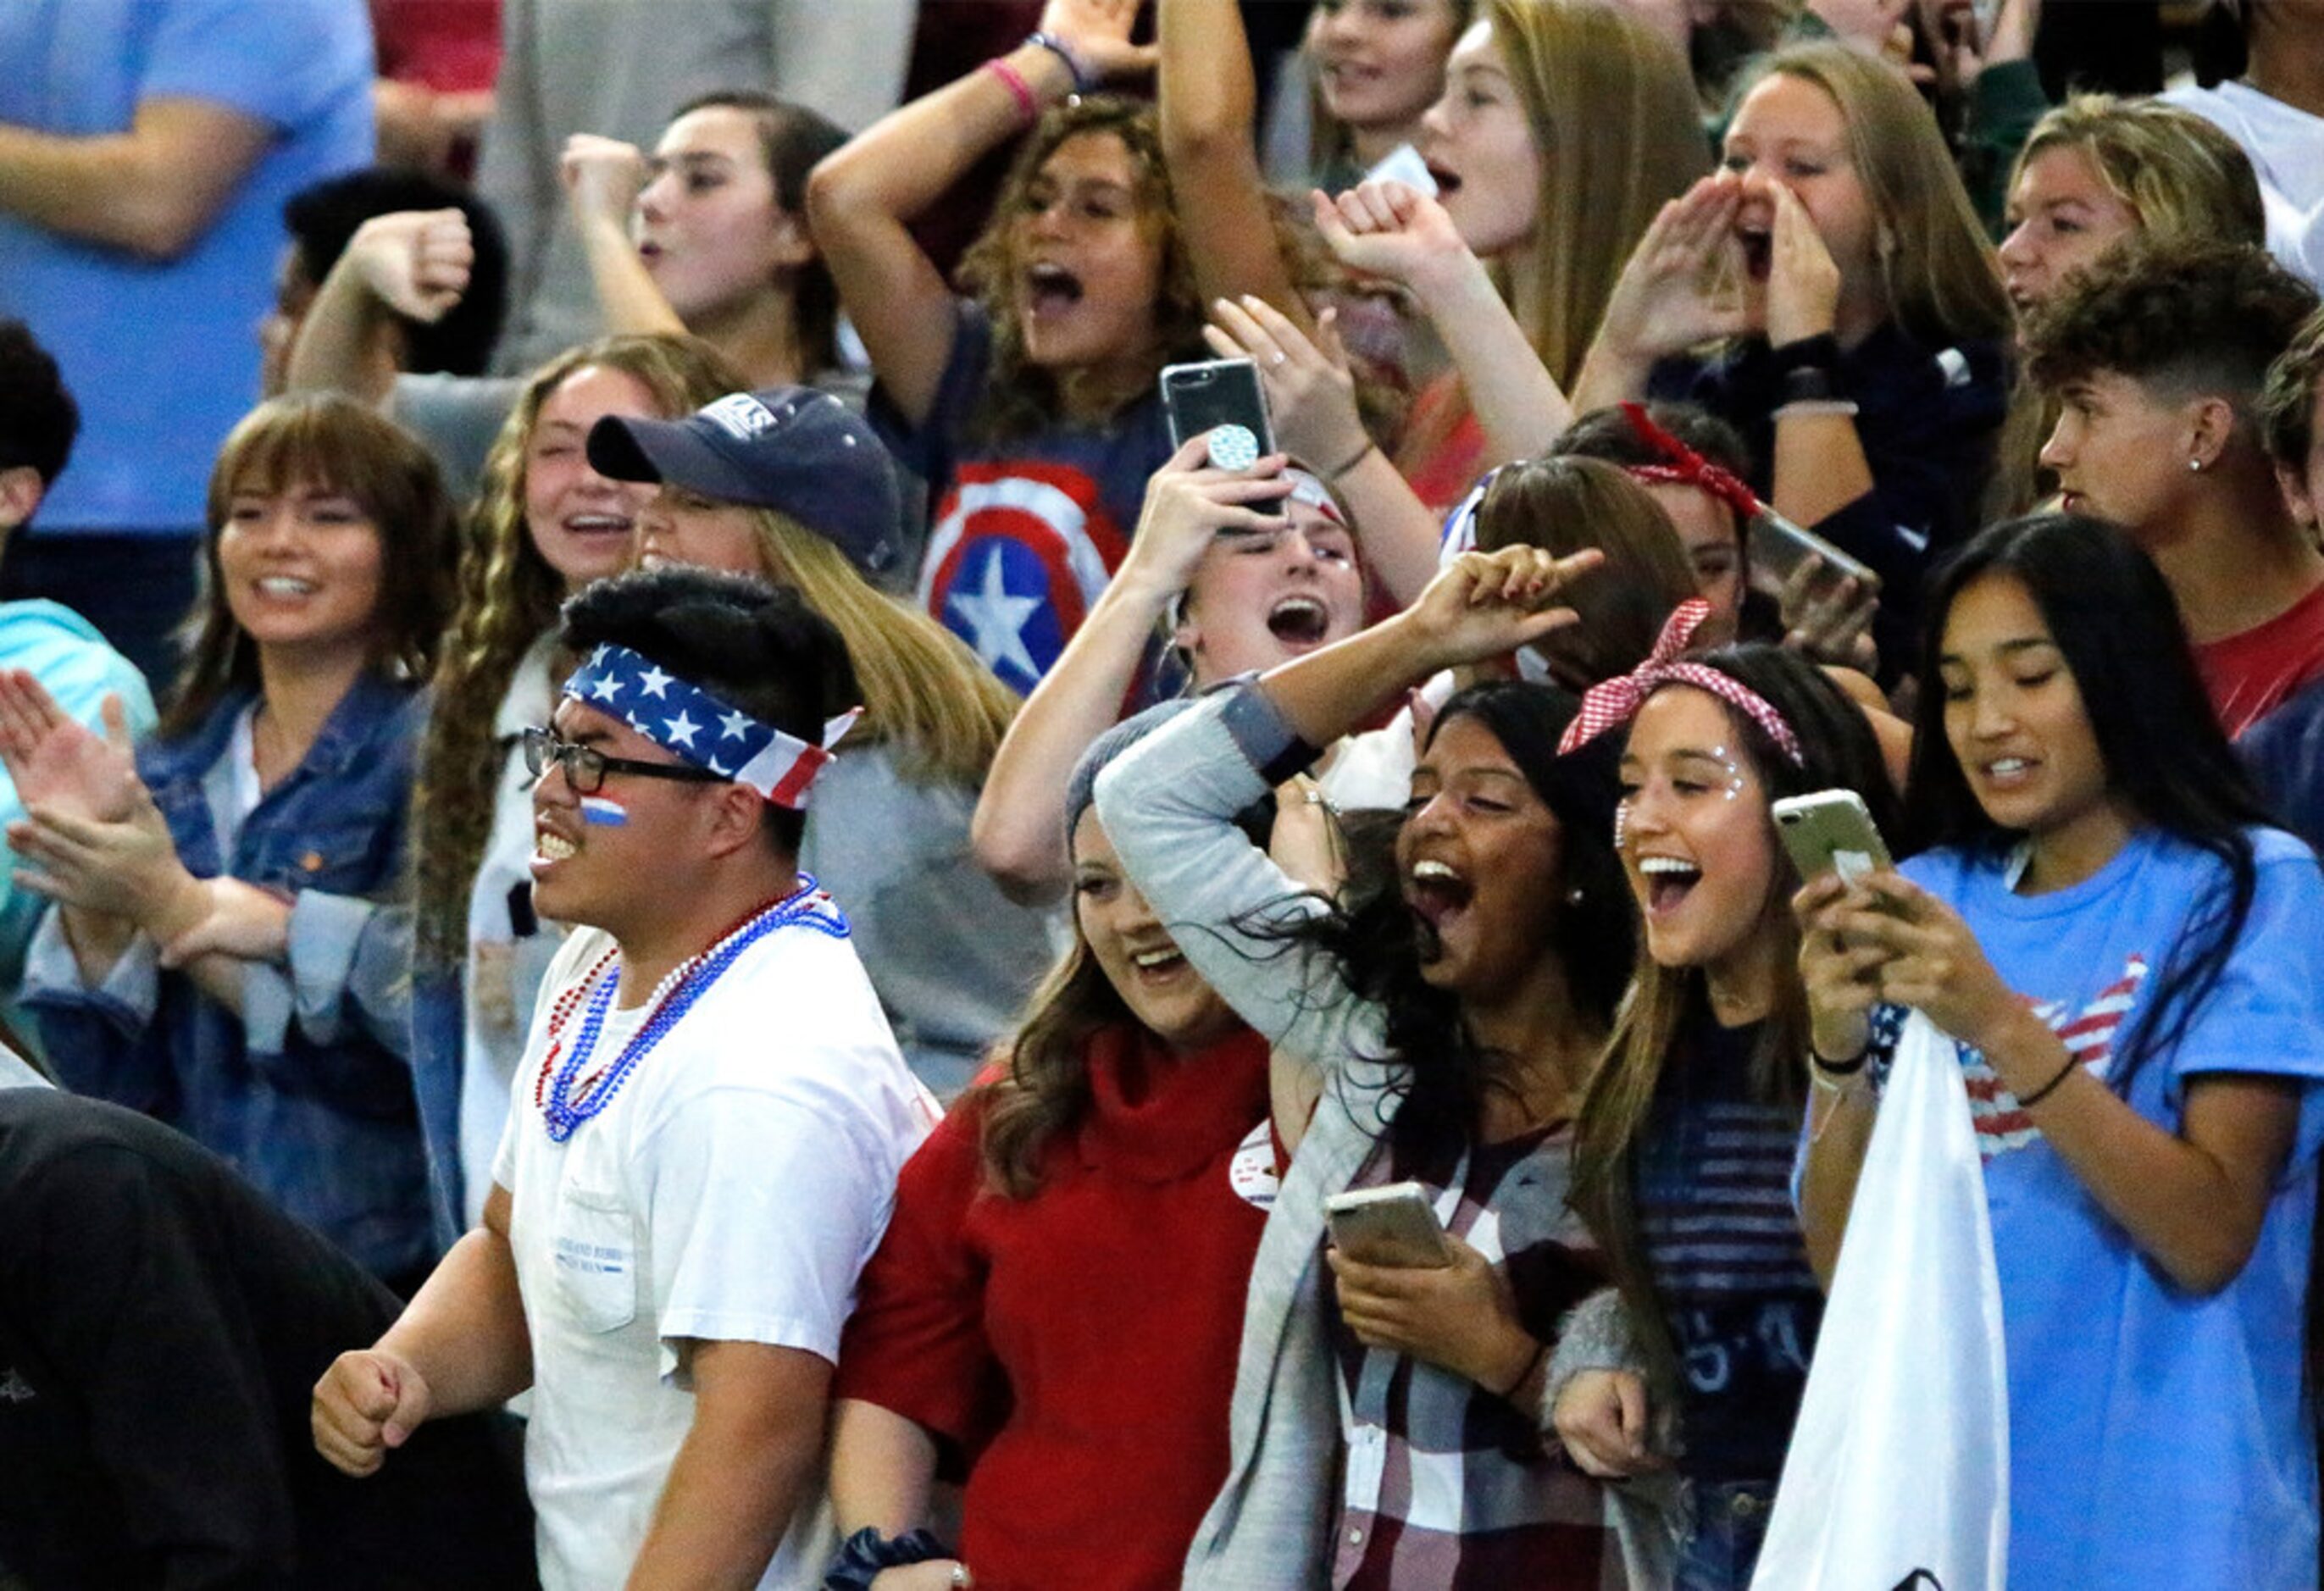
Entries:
{"x":307,"y":1091}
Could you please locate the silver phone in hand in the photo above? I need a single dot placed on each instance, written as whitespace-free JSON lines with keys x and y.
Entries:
{"x":1396,"y":1225}
{"x":1831,"y":832}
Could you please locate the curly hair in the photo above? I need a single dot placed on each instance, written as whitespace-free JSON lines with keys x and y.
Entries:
{"x":2287,"y":402}
{"x":508,"y":600}
{"x":1021,"y":397}
{"x":2190,"y":317}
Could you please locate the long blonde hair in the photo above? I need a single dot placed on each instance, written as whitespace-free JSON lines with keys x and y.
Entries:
{"x":1616,"y":123}
{"x":923,"y":691}
{"x":508,"y":598}
{"x":1939,"y":277}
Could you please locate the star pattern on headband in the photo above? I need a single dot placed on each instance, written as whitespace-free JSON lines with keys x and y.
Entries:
{"x":780,"y":767}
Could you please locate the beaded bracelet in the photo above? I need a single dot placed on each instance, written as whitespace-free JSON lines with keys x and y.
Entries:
{"x":1085,"y":79}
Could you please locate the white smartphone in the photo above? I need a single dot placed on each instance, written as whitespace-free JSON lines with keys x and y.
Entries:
{"x":1831,"y":832}
{"x":1213,"y":392}
{"x":1392,"y":1225}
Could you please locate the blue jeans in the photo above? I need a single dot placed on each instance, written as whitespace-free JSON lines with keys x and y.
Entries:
{"x":1721,"y":1526}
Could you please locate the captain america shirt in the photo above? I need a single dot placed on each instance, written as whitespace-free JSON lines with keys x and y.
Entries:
{"x":1023,"y":533}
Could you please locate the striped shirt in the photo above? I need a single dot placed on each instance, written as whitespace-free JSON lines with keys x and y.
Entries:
{"x":1446,"y":1485}
{"x":1722,"y":1243}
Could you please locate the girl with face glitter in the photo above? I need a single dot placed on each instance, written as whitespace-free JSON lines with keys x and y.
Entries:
{"x":1705,"y":1358}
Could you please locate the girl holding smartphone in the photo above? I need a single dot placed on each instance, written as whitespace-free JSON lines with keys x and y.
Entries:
{"x":2131,"y":964}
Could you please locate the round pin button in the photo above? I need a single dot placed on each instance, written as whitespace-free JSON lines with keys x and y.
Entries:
{"x":1233,"y":448}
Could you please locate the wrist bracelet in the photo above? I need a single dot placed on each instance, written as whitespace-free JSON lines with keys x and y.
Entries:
{"x":2028,"y":1101}
{"x":1084,"y":80}
{"x":1029,"y":109}
{"x":1533,"y":1363}
{"x":1819,"y":408}
{"x":1352,"y":460}
{"x":865,"y":1553}
{"x":1839,"y":1068}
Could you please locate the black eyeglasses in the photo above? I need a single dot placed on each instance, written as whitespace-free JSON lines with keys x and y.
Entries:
{"x":585,"y":767}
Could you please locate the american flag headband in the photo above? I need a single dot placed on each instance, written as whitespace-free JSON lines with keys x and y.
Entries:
{"x":1610,"y":703}
{"x":689,"y":723}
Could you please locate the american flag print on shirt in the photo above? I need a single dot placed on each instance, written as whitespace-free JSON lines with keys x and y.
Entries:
{"x":2002,"y":1123}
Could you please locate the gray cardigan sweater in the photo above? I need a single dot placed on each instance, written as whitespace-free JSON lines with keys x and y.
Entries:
{"x":1167,"y":804}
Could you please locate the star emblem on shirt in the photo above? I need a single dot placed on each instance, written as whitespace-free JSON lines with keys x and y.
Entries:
{"x":997,"y":619}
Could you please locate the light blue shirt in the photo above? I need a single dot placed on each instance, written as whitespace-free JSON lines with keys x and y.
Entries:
{"x":163,"y":356}
{"x":2156,"y":1438}
{"x":64,"y":652}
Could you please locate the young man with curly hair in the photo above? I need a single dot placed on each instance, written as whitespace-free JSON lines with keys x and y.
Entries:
{"x":705,"y":1130}
{"x":2157,"y":360}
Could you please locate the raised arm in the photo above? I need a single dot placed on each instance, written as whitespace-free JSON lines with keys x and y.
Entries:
{"x":1395,"y":231}
{"x":152,"y":190}
{"x":1208,"y":106}
{"x":603,"y":178}
{"x":1682,"y":286}
{"x":863,"y":197}
{"x":1019,"y":831}
{"x":1168,"y":802}
{"x":410,"y":262}
{"x":1310,"y":392}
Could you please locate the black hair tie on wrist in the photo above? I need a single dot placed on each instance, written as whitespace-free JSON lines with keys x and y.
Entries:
{"x":2050,"y":1088}
{"x":1838,"y":1068}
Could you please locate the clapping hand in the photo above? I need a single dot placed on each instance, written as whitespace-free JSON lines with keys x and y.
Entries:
{"x":56,"y":761}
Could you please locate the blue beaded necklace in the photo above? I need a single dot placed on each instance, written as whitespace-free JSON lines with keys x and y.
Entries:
{"x":563,"y":1113}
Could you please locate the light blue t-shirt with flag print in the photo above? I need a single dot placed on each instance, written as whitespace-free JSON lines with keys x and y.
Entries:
{"x":2157,"y":1438}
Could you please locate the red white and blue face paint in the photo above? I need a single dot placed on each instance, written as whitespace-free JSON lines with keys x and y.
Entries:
{"x":689,"y":723}
{"x":604,"y":812}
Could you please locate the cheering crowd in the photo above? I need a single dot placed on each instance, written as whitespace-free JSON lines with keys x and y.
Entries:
{"x":704,"y":890}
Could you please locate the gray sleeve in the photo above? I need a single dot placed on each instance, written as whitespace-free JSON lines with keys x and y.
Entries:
{"x":457,"y":419}
{"x":1169,"y":805}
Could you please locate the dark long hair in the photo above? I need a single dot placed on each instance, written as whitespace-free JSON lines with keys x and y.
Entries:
{"x":1841,"y":753}
{"x":793,"y":137}
{"x":2113,"y":621}
{"x":2166,"y":758}
{"x":1371,"y":934}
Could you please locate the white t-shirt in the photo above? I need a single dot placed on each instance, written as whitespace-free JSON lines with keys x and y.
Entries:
{"x":2286,"y":146}
{"x":729,"y":1191}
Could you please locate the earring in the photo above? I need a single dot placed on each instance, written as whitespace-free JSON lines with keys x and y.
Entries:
{"x":1573,"y":895}
{"x":2194,"y":466}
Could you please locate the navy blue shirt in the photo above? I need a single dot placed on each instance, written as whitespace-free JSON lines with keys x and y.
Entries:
{"x":1928,"y":420}
{"x":1723,"y":1245}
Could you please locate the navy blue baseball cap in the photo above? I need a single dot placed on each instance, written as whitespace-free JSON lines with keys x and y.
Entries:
{"x":800,"y":452}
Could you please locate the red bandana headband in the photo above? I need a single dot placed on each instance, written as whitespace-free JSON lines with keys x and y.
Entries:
{"x":1613,"y":703}
{"x":1686,"y":467}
